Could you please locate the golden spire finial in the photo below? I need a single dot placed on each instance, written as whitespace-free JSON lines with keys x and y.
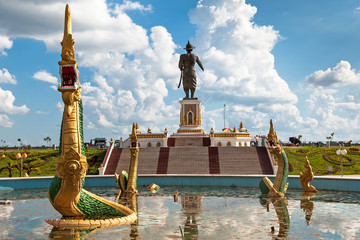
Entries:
{"x":68,"y":51}
{"x":68,"y":25}
{"x":242,"y":128}
{"x":133,"y":136}
{"x":272,"y":134}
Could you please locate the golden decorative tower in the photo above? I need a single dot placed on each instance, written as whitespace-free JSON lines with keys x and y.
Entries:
{"x":68,"y":51}
{"x":242,"y":128}
{"x":272,"y":137}
{"x":134,"y":149}
{"x":72,"y":165}
{"x":66,"y":193}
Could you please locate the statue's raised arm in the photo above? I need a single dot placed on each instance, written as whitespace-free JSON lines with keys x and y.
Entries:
{"x":187,"y":67}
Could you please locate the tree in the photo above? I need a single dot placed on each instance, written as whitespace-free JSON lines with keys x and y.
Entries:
{"x":3,"y":144}
{"x":48,"y":140}
{"x":330,"y":138}
{"x":28,"y":167}
{"x":10,"y":167}
{"x":20,"y":142}
{"x":295,"y":140}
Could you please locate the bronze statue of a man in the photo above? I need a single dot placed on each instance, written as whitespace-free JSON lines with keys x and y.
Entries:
{"x":187,"y":68}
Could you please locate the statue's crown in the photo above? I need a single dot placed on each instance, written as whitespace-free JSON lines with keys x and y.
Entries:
{"x":189,"y":46}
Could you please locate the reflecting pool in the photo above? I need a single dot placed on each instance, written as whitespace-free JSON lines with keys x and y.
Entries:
{"x":199,"y":213}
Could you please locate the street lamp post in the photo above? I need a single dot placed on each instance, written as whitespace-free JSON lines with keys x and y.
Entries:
{"x":21,"y":157}
{"x":224,"y":114}
{"x":341,"y":153}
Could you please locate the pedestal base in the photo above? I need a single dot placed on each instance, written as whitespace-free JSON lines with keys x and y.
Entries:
{"x":190,"y":117}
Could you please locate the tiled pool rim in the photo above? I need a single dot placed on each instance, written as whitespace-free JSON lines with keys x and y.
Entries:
{"x":329,"y":183}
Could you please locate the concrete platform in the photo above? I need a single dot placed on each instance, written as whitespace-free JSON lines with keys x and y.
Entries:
{"x":328,"y":183}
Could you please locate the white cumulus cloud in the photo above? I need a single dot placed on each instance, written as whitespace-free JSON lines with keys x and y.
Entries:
{"x":7,"y":104}
{"x":340,"y":75}
{"x":333,"y":113}
{"x":129,"y":5}
{"x":5,"y":121}
{"x":6,"y":77}
{"x":7,"y":100}
{"x":5,"y":43}
{"x":237,"y":54}
{"x":45,"y":76}
{"x":60,"y":106}
{"x":134,"y":70}
{"x":239,"y":68}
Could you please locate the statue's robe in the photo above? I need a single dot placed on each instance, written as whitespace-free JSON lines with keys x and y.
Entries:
{"x":187,"y":64}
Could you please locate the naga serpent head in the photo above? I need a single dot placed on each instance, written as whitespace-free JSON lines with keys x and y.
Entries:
{"x":274,"y":147}
{"x":70,"y":98}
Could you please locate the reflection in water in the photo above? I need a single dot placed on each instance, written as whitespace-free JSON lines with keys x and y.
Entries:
{"x":132,"y":203}
{"x":69,"y":233}
{"x":6,"y":212}
{"x":176,"y":198}
{"x":79,"y":233}
{"x":307,"y":205}
{"x":206,"y":217}
{"x":280,"y":206}
{"x":191,"y":207}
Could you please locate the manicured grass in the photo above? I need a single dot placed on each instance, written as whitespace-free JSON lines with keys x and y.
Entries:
{"x":43,"y":162}
{"x":322,"y":157}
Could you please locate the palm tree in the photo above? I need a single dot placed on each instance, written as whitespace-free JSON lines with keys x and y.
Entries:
{"x":330,"y":138}
{"x":48,"y":140}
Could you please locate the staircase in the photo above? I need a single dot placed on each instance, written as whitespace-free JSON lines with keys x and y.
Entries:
{"x":163,"y":161}
{"x":113,"y":161}
{"x":188,"y":160}
{"x":194,"y":160}
{"x":240,"y":160}
{"x":264,"y":160}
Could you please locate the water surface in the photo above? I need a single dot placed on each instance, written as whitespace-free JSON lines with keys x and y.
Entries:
{"x":200,"y":213}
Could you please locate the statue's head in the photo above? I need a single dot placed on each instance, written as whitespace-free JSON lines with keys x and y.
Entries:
{"x":189,"y":47}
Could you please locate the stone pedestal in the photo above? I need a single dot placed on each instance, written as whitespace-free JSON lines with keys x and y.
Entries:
{"x":190,"y":117}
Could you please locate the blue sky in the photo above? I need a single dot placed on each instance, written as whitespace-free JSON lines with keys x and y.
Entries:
{"x":296,"y":62}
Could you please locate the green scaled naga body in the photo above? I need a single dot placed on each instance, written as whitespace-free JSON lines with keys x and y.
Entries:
{"x":77,"y":206}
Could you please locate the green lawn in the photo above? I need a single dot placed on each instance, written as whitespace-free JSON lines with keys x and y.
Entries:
{"x":322,"y":157}
{"x":43,"y":163}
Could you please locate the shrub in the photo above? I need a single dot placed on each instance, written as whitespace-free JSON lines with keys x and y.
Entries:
{"x":334,"y":159}
{"x":290,"y":167}
{"x":354,"y":149}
